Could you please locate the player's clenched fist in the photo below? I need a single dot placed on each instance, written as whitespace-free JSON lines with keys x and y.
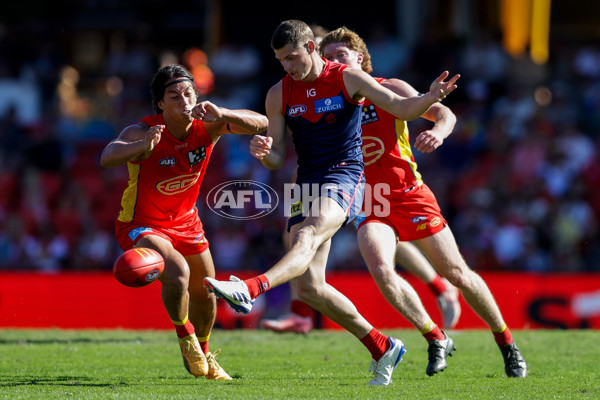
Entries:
{"x":153,"y":136}
{"x":428,"y":141}
{"x":260,"y":146}
{"x":207,"y":111}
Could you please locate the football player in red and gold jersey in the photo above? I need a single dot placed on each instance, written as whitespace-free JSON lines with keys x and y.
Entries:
{"x":167,"y":155}
{"x":412,"y":213}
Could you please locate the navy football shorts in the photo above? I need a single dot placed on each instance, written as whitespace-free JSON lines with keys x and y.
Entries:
{"x":343,"y":182}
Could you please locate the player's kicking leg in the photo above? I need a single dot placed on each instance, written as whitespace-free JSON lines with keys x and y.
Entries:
{"x":300,"y":317}
{"x":307,"y":260}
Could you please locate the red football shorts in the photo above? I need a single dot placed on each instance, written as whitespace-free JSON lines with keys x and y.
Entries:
{"x":413,"y":215}
{"x":188,"y":239}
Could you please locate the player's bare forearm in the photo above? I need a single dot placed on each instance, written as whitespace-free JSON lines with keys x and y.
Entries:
{"x":414,"y":107}
{"x":429,"y":140}
{"x":273,"y":160}
{"x":119,"y":152}
{"x":245,"y":121}
{"x":135,"y":143}
{"x":261,"y":148}
{"x":444,"y":119}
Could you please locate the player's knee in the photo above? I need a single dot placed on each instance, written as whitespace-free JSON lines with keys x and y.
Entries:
{"x":381,"y":271}
{"x":461,"y":277}
{"x":176,"y":275}
{"x":306,"y":237}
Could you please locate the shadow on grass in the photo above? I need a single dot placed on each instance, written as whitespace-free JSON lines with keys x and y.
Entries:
{"x":72,"y":381}
{"x":76,"y":340}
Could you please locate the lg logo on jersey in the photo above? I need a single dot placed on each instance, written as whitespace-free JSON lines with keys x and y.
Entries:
{"x":311,"y":92}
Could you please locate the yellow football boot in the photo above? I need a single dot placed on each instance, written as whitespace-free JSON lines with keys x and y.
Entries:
{"x":193,"y":356}
{"x":214,"y":369}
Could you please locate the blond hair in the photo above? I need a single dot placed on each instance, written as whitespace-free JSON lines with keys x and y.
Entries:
{"x":353,"y":41}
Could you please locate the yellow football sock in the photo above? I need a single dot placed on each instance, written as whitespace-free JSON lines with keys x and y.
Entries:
{"x":429,"y":326}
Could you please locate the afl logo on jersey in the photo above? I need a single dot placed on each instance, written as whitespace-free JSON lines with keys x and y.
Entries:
{"x":372,"y":149}
{"x":297,"y":110}
{"x":167,"y":162}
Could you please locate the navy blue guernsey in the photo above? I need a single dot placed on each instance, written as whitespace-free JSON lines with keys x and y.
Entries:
{"x":324,"y":120}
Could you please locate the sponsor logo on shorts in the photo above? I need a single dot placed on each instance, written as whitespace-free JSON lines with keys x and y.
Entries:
{"x":328,"y":105}
{"x":199,"y":239}
{"x":296,"y":209}
{"x":418,"y":219}
{"x":242,"y":199}
{"x":297,"y":110}
{"x":358,"y":220}
{"x":133,"y":235}
{"x":435,"y":222}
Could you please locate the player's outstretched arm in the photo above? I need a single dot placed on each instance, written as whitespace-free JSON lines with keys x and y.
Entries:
{"x":220,"y":120}
{"x":271,"y":149}
{"x":360,"y":84}
{"x":134,"y":143}
{"x":443,"y":118}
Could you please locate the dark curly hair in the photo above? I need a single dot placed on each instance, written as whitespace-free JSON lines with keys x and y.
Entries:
{"x":162,"y":77}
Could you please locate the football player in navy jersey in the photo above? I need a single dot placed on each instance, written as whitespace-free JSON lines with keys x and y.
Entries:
{"x":319,"y":102}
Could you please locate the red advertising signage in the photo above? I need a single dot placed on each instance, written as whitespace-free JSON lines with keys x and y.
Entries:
{"x":95,"y":300}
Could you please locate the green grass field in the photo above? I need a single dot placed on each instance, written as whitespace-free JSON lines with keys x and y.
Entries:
{"x":57,"y":364}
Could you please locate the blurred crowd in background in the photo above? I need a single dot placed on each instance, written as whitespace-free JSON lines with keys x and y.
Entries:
{"x":518,"y":180}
